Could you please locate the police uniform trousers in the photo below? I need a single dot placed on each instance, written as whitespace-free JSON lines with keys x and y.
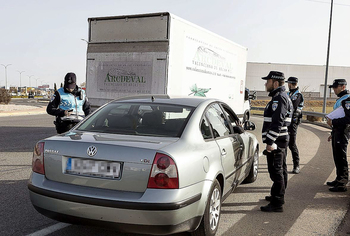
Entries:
{"x":63,"y":126}
{"x":292,"y":129}
{"x":339,"y":145}
{"x":277,"y":167}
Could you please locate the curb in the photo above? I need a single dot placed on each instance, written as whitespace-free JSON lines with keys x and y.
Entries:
{"x":37,"y":111}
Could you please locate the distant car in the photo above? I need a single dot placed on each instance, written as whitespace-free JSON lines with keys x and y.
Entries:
{"x":30,"y":95}
{"x":154,"y":165}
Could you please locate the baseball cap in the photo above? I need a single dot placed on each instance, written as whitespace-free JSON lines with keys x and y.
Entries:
{"x":70,"y":80}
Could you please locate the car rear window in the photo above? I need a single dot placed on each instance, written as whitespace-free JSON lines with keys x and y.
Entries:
{"x":139,"y":119}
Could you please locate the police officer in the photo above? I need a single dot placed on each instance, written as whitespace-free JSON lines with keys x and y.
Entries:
{"x":298,"y":104}
{"x":277,"y":118}
{"x":68,"y":104}
{"x":340,"y":136}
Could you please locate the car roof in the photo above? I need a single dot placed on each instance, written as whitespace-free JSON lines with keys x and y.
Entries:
{"x":165,"y":99}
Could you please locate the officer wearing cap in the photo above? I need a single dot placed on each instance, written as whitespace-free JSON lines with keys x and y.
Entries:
{"x":298,"y":104}
{"x":69,"y":104}
{"x":340,"y":136}
{"x":277,"y":118}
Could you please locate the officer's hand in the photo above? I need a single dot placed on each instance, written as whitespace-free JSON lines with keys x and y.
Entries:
{"x":269,"y":148}
{"x":329,"y":122}
{"x":67,"y":112}
{"x":329,"y":138}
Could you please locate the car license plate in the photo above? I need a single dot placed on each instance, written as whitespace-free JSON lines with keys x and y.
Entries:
{"x":86,"y":167}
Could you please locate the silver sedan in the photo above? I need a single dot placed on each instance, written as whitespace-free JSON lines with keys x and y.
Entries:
{"x":150,"y":165}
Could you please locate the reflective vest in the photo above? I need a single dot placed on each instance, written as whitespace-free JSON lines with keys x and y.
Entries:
{"x":294,"y":96}
{"x":339,"y":100}
{"x":70,"y":101}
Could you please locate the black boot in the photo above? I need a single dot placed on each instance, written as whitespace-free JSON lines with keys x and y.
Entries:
{"x":271,"y":208}
{"x":338,"y":188}
{"x":332,"y":183}
{"x":269,"y":199}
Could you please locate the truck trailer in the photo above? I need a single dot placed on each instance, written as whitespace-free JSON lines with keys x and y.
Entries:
{"x":160,"y":53}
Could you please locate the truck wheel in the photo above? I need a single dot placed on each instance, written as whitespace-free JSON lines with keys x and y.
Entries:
{"x":253,"y":173}
{"x":210,"y":220}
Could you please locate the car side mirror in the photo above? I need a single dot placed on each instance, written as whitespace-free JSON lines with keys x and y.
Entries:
{"x":248,"y":125}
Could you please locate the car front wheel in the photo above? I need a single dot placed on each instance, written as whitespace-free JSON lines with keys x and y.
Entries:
{"x":210,"y":221}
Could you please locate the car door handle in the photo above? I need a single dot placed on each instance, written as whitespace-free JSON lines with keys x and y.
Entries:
{"x":223,"y":152}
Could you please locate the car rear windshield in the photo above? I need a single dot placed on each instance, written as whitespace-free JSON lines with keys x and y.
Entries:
{"x":139,"y":119}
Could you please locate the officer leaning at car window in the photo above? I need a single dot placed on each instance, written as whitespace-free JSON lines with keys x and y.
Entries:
{"x":340,"y":136}
{"x":67,"y":101}
{"x":298,"y":104}
{"x":277,"y":118}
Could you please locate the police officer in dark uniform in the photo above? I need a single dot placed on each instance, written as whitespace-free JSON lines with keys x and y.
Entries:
{"x":277,"y":118}
{"x":340,"y":136}
{"x":298,"y":104}
{"x":69,"y":104}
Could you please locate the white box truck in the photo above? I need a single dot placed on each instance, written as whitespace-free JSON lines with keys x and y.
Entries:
{"x":160,"y":53}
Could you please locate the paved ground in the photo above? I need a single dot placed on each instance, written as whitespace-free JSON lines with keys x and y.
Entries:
{"x":18,"y":110}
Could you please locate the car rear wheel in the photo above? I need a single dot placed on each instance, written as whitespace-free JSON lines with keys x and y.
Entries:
{"x":210,"y":221}
{"x":253,"y":173}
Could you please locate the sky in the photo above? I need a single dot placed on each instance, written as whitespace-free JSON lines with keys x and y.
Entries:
{"x":43,"y":38}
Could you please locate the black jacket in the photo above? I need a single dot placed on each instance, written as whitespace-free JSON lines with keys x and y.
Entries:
{"x":297,"y":99}
{"x":277,"y":118}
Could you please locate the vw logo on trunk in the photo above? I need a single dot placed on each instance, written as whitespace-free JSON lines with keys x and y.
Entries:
{"x":91,"y":151}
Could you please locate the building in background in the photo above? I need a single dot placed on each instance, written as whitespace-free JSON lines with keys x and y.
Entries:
{"x":311,"y":77}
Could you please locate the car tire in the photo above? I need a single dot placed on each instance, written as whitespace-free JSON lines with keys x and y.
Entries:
{"x":253,"y":173}
{"x":210,"y":220}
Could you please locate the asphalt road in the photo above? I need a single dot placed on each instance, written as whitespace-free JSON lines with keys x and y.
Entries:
{"x":310,"y":208}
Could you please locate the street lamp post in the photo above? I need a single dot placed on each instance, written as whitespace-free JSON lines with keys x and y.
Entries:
{"x":326,"y":76}
{"x":20,"y":77}
{"x":29,"y":76}
{"x":6,"y":74}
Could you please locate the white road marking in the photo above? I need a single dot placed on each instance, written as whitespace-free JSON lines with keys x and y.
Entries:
{"x":49,"y":230}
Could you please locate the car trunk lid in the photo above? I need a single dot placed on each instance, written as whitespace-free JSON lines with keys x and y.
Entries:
{"x":134,"y":156}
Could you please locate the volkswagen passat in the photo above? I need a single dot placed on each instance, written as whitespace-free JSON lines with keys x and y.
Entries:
{"x":154,"y":165}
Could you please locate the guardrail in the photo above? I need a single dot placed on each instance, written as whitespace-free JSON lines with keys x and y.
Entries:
{"x":306,"y":113}
{"x":308,"y":116}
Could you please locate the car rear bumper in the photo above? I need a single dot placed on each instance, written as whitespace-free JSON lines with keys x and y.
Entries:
{"x":187,"y":225}
{"x":181,"y":209}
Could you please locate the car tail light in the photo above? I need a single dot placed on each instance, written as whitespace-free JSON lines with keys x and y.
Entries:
{"x":38,"y":158}
{"x":164,"y":173}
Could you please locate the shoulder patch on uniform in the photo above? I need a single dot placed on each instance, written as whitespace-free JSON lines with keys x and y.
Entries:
{"x":274,"y":105}
{"x":53,"y":97}
{"x":347,"y":105}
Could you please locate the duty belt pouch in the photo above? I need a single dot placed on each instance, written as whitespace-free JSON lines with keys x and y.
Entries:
{"x":347,"y":131}
{"x":299,"y":118}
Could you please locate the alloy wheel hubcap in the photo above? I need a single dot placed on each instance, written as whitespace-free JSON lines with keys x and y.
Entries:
{"x":256,"y":163}
{"x":214,"y":210}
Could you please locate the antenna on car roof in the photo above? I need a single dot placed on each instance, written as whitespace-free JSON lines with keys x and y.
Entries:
{"x":152,"y":98}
